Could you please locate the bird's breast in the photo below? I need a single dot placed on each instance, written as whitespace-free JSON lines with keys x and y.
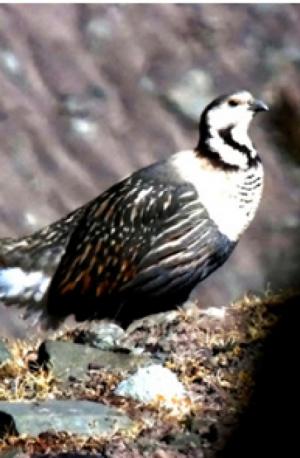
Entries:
{"x":233,"y":203}
{"x":230,"y":198}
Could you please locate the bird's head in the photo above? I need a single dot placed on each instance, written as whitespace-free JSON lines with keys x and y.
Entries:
{"x":232,"y":110}
{"x":224,"y":127}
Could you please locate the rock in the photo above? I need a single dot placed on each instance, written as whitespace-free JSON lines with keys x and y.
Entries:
{"x":148,"y":85}
{"x":11,"y":65}
{"x":156,"y":319}
{"x":69,"y":359}
{"x":155,"y":384}
{"x":84,"y":418}
{"x":191,"y":94}
{"x":186,"y":441}
{"x":15,"y":452}
{"x":82,"y":127}
{"x":188,"y":96}
{"x":82,"y":104}
{"x":98,"y":31}
{"x":104,"y":336}
{"x":5,"y":354}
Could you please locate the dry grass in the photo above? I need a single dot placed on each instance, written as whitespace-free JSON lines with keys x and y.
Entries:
{"x":18,"y":382}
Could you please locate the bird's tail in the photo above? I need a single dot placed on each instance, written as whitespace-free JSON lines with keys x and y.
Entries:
{"x":20,"y":275}
{"x":17,"y":285}
{"x":27,"y":265}
{"x":23,"y":283}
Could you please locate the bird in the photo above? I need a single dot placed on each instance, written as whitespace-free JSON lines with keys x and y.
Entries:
{"x":142,"y":246}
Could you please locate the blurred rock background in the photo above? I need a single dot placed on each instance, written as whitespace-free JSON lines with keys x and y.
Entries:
{"x":89,"y":93}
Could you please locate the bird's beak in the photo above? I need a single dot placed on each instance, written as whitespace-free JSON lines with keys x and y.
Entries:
{"x":258,"y":105}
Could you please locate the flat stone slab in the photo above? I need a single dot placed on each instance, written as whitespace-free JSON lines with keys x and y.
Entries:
{"x":5,"y":354}
{"x":15,"y":452}
{"x":83,"y":418}
{"x":69,"y":359}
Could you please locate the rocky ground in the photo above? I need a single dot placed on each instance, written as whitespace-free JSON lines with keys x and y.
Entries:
{"x":90,"y":93}
{"x":60,"y":396}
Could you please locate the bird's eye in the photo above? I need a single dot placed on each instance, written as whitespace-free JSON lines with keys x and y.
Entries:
{"x":233,"y":103}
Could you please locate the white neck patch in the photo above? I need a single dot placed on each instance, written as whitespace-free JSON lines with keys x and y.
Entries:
{"x":229,"y":154}
{"x":237,"y":120}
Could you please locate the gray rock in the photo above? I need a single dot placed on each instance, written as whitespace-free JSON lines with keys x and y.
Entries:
{"x":11,"y":65}
{"x":155,"y":319}
{"x":104,"y":336}
{"x":69,"y":359}
{"x":82,"y":126}
{"x":98,"y":31}
{"x":148,"y":85}
{"x":5,"y":354}
{"x":82,"y":104}
{"x":190,"y":94}
{"x":15,"y":452}
{"x":186,"y":441}
{"x":75,"y":417}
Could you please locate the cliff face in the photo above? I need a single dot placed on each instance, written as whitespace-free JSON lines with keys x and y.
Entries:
{"x":90,"y":93}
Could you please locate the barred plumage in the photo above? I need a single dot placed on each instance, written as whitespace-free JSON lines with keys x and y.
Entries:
{"x":142,"y":246}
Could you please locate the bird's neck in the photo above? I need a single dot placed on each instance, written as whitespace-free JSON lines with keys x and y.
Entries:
{"x":229,"y":148}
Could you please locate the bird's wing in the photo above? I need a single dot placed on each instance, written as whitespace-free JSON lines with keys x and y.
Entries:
{"x":138,"y":236}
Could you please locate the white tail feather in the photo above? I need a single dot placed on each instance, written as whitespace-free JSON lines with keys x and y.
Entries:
{"x":16,"y":283}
